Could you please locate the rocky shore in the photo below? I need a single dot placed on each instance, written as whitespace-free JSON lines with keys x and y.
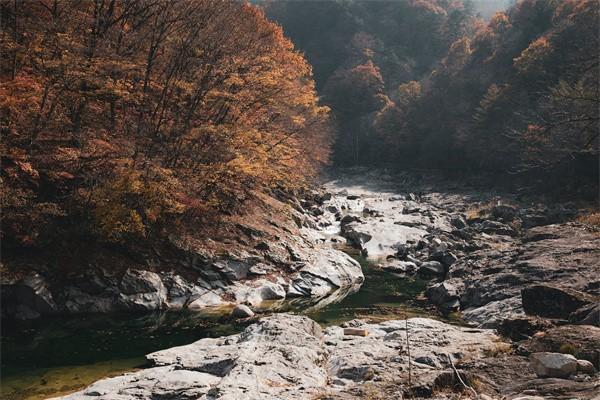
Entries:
{"x":495,"y":258}
{"x":524,"y":276}
{"x":264,"y":267}
{"x":290,"y":357}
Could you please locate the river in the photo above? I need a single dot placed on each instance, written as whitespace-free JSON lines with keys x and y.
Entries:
{"x":50,"y":356}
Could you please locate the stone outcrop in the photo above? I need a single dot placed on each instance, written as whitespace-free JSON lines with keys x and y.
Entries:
{"x":291,"y":357}
{"x":196,"y":279}
{"x":552,"y":302}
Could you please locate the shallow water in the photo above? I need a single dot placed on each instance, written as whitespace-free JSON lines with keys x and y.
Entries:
{"x":56,"y":355}
{"x":52,"y":356}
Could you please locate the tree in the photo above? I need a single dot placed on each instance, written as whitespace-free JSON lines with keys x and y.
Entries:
{"x":132,"y":116}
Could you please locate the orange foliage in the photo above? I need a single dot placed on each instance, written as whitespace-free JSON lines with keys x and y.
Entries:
{"x":207,"y":100}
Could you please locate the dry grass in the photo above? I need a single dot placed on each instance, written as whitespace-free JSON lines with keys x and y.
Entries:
{"x":591,"y":219}
{"x":479,"y":211}
{"x":498,"y":350}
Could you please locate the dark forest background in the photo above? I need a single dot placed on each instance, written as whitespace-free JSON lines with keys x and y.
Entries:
{"x":508,"y":88}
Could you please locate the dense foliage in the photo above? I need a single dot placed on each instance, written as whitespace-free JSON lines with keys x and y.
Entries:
{"x":121,"y":118}
{"x":522,"y":94}
{"x":426,"y":83}
{"x":363,"y":50}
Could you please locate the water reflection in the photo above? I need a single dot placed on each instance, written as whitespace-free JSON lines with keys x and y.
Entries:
{"x":50,"y":356}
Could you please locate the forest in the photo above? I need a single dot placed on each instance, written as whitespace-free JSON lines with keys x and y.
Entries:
{"x":299,"y":199}
{"x":118,"y":119}
{"x":429,"y":84}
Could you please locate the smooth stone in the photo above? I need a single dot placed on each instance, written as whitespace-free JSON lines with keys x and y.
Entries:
{"x":586,"y":367}
{"x":431,"y":268}
{"x":242,"y":311}
{"x":553,"y":365}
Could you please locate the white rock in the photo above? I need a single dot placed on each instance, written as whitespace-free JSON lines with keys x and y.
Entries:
{"x":553,"y":365}
{"x":142,"y":290}
{"x":149,"y":384}
{"x":288,"y":357}
{"x":208,"y":299}
{"x":493,"y":313}
{"x":327,"y":271}
{"x":255,"y":292}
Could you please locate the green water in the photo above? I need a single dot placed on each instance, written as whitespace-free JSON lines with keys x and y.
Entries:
{"x":53,"y":356}
{"x":381,"y":296}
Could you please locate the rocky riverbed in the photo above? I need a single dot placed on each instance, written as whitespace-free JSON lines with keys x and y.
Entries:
{"x":291,"y":357}
{"x":496,"y":258}
{"x":524,"y":275}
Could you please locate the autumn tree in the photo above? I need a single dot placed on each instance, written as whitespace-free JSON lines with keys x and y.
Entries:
{"x":121,"y":118}
{"x":518,"y":96}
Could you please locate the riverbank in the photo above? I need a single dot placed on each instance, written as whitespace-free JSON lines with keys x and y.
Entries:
{"x":514,"y":268}
{"x":276,"y":252}
{"x":53,"y":356}
{"x":291,"y":357}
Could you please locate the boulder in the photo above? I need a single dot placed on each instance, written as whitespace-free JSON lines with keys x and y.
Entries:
{"x":586,"y":367}
{"x":497,"y":228}
{"x":586,"y":315}
{"x":458,"y":222}
{"x":520,"y":327}
{"x":431,"y":269}
{"x":445,"y":294}
{"x":204,"y":299}
{"x":583,"y":341}
{"x":326,"y":197}
{"x":332,"y":209}
{"x":403,"y":267}
{"x":242,"y":311}
{"x":28,"y":298}
{"x":263,"y":246}
{"x":493,"y":313}
{"x":324,"y":272}
{"x":141,"y":290}
{"x":551,"y":302}
{"x":447,"y":258}
{"x":233,"y":269}
{"x":438,"y":246}
{"x":257,"y":291}
{"x":356,"y":237}
{"x":346,"y":219}
{"x":179,"y":291}
{"x":553,"y":365}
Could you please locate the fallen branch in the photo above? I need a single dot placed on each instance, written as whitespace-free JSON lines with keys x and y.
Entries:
{"x":460,"y":378}
{"x":408,"y":352}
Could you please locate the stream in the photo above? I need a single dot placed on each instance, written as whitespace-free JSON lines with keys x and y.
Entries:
{"x":52,"y":356}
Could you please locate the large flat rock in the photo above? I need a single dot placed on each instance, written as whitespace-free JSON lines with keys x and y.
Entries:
{"x":290,"y":357}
